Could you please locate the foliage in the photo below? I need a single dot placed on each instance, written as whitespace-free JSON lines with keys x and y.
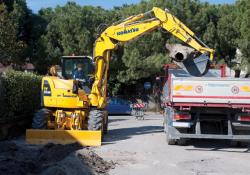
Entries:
{"x":20,"y":94}
{"x":72,"y":29}
{"x":242,"y":24}
{"x":10,"y":47}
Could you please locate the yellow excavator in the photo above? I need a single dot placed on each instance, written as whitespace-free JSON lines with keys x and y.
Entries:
{"x":74,"y":108}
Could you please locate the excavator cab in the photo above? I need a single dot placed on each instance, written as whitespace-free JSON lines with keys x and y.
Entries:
{"x":80,"y":69}
{"x":77,"y":67}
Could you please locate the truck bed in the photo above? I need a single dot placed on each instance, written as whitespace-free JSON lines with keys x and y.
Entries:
{"x":209,"y":90}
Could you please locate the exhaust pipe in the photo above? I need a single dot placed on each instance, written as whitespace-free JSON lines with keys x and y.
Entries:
{"x":186,"y":58}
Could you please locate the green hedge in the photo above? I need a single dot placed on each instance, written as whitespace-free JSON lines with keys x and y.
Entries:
{"x":19,"y":94}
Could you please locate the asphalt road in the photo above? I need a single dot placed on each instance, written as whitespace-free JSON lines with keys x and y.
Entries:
{"x":139,"y":148}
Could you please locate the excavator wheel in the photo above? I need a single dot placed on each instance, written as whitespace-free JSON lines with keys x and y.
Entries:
{"x":105,"y":122}
{"x":40,"y":119}
{"x":95,"y":121}
{"x":105,"y":128}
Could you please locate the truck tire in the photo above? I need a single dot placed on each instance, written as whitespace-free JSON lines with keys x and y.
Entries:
{"x":234,"y":143}
{"x":95,"y":121}
{"x":170,"y":141}
{"x":40,"y":119}
{"x":182,"y":142}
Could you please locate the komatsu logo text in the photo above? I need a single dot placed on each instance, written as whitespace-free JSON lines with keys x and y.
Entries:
{"x":128,"y":31}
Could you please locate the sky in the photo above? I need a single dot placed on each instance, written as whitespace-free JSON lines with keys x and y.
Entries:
{"x":36,"y":5}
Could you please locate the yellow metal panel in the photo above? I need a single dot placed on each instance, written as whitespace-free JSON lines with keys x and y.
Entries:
{"x":84,"y":137}
{"x":177,"y":87}
{"x":132,"y":31}
{"x":63,"y":84}
{"x":62,"y":95}
{"x":183,"y":87}
{"x":188,"y":88}
{"x":245,"y":88}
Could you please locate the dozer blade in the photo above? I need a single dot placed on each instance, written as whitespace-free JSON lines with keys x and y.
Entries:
{"x":198,"y":66}
{"x":84,"y":137}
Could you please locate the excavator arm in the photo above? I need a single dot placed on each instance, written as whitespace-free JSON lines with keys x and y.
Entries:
{"x":131,"y":28}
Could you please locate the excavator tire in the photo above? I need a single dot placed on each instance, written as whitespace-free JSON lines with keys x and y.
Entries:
{"x":95,"y":121}
{"x":40,"y":119}
{"x":105,"y":128}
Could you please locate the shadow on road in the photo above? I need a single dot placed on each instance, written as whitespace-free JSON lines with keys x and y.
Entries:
{"x":116,"y":120}
{"x":126,"y":133}
{"x":218,"y":145}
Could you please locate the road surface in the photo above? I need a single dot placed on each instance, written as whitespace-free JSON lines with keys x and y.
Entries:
{"x":139,"y":147}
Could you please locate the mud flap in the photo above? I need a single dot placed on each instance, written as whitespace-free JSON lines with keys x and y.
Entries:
{"x":198,"y":66}
{"x":84,"y":137}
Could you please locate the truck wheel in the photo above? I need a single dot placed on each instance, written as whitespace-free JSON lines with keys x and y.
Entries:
{"x":170,"y":141}
{"x":165,"y":127}
{"x":182,"y":142}
{"x":165,"y":124}
{"x":234,"y":143}
{"x":40,"y":119}
{"x":95,"y":121}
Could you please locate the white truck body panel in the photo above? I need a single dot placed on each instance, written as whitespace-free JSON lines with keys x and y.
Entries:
{"x":210,"y":90}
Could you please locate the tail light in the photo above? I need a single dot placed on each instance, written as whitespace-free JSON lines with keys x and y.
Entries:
{"x":244,"y":118}
{"x":182,"y":116}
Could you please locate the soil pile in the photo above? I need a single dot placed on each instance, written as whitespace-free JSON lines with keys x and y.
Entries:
{"x":51,"y":159}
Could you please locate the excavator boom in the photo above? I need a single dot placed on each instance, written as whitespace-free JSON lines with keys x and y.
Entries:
{"x":133,"y":27}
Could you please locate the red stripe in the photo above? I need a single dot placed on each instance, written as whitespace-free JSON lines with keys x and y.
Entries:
{"x":226,"y":97}
{"x":210,"y":105}
{"x":138,"y":105}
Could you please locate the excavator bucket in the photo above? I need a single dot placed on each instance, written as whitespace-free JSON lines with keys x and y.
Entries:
{"x":198,"y":66}
{"x":83,"y":137}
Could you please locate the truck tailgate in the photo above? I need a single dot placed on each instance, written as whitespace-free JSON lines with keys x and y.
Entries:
{"x":210,"y":90}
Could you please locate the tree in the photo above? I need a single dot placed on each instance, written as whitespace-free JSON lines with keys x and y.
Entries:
{"x":10,"y":48}
{"x":227,"y":34}
{"x":72,"y":29}
{"x":242,"y":23}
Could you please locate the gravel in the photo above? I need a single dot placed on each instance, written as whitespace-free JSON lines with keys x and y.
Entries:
{"x":51,"y":159}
